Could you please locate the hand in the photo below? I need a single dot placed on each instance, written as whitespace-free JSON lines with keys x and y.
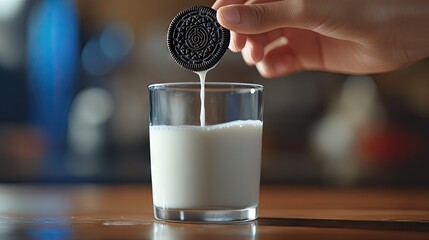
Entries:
{"x":344,"y":36}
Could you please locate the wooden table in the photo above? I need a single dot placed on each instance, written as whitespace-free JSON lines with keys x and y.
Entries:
{"x":125,"y":212}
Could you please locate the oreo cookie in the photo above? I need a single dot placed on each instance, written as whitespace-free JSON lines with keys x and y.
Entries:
{"x":196,"y":40}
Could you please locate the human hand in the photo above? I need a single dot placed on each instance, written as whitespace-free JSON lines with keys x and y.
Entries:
{"x":344,"y":36}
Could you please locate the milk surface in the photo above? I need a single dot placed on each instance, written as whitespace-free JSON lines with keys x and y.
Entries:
{"x":215,"y":166}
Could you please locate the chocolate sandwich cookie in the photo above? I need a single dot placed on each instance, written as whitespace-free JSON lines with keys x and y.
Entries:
{"x":196,"y":40}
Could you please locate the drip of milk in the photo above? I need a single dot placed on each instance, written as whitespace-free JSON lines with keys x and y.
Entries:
{"x":202,"y":75}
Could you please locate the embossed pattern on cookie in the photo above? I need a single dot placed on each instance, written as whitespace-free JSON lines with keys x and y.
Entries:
{"x":196,"y":40}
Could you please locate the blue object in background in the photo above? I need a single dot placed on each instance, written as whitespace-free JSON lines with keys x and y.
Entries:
{"x":53,"y":50}
{"x":54,"y":231}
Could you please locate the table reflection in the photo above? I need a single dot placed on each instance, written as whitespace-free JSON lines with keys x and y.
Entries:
{"x":178,"y":231}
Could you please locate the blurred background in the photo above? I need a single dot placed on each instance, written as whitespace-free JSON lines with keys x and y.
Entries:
{"x":74,"y":102}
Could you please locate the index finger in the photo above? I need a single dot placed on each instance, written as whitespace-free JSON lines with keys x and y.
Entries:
{"x":220,"y":3}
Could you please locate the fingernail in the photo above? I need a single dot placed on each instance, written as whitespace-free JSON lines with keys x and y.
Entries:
{"x":230,"y":15}
{"x":262,"y":69}
{"x":232,"y":46}
{"x":247,"y":54}
{"x":281,"y":41}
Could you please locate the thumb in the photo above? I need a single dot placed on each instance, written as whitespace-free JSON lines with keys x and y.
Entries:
{"x":264,"y":17}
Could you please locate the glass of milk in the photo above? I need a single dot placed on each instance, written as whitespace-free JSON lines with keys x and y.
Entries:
{"x":206,"y":158}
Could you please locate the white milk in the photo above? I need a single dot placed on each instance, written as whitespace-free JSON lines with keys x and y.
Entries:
{"x":215,"y":166}
{"x":202,"y":76}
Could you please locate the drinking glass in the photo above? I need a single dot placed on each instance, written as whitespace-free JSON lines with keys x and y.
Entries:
{"x":205,"y":165}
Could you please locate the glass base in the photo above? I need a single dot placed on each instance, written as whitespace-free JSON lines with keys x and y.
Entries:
{"x":202,"y":215}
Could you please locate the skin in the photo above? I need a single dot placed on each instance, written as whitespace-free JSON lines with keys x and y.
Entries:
{"x":343,"y":36}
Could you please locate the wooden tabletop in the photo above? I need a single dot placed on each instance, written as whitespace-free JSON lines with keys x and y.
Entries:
{"x":125,"y":212}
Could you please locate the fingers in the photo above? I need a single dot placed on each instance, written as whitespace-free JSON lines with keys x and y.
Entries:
{"x":263,"y":17}
{"x":257,"y":25}
{"x":278,"y":59}
{"x":237,"y":42}
{"x":296,"y":50}
{"x":254,"y":46}
{"x":252,"y":18}
{"x":255,"y":43}
{"x":281,"y":41}
{"x":253,"y":51}
{"x":280,"y":62}
{"x":221,"y":3}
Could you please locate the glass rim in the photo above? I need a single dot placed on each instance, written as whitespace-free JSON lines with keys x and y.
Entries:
{"x":207,"y":84}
